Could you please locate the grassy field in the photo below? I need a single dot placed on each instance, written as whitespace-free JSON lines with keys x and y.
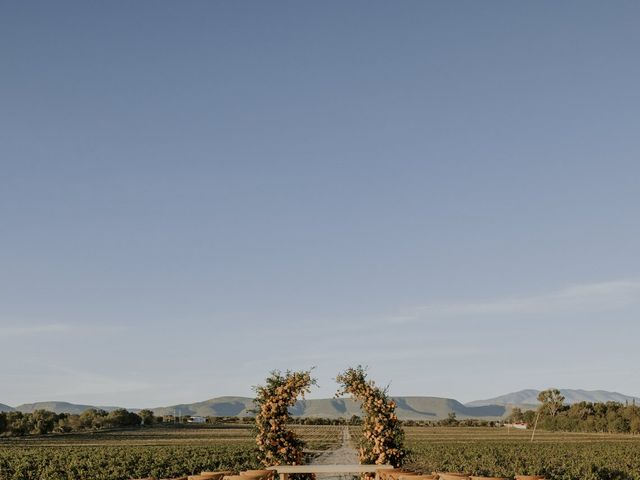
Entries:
{"x":167,"y":451}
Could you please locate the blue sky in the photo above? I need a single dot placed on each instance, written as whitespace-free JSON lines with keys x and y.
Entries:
{"x":195,"y":193}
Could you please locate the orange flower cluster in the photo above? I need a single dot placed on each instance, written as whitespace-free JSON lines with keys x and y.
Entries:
{"x":383,"y":437}
{"x":278,"y":445}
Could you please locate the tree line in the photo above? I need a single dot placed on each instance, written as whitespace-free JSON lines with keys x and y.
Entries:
{"x":554,"y":414}
{"x":41,"y":422}
{"x":452,"y":421}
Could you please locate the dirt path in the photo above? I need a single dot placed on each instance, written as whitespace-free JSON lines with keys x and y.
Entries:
{"x":346,"y":454}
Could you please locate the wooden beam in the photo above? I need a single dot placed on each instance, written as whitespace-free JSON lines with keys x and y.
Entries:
{"x":284,"y":470}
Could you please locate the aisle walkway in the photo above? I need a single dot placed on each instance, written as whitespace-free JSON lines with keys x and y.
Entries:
{"x":346,"y":454}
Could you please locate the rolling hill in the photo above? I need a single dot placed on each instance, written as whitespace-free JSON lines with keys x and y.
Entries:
{"x":529,"y":398}
{"x":215,"y":407}
{"x":58,"y":407}
{"x":409,"y":408}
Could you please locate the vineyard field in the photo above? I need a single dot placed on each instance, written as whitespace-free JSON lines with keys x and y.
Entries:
{"x":110,"y":462}
{"x":155,"y":436}
{"x":505,"y":453}
{"x":166,"y":452}
{"x":557,"y":461}
{"x":162,"y":452}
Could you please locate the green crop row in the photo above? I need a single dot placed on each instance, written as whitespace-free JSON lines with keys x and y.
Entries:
{"x":561,"y":460}
{"x":556,"y":461}
{"x":120,"y":463}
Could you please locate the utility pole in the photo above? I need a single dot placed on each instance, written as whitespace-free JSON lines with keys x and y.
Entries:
{"x":535,"y":426}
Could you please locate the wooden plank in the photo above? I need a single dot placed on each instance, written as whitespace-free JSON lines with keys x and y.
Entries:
{"x":286,"y":469}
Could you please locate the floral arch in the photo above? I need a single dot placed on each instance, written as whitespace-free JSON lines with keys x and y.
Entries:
{"x":383,"y":437}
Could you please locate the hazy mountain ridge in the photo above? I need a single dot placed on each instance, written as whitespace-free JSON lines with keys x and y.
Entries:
{"x":408,"y":408}
{"x":214,"y":407}
{"x":529,"y":398}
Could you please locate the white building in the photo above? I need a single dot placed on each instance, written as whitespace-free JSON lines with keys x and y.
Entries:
{"x":196,"y":420}
{"x":520,"y":425}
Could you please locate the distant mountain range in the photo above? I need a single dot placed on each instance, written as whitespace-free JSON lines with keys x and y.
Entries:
{"x":529,"y":398}
{"x":414,"y":408}
{"x":408,"y":408}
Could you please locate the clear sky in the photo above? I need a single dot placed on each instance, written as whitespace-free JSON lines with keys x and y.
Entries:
{"x":195,"y":193}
